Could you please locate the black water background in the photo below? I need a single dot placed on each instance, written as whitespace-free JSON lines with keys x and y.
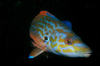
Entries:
{"x":15,"y":20}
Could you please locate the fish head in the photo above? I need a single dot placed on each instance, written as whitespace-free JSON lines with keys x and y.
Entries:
{"x":69,"y":44}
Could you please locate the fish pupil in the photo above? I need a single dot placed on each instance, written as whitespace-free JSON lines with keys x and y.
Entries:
{"x":69,"y":41}
{"x":45,"y":38}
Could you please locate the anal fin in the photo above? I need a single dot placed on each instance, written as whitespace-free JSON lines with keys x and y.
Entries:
{"x":35,"y":52}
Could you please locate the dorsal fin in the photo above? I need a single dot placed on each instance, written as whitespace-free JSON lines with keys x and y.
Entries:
{"x":68,"y":23}
{"x":44,"y":13}
{"x":47,"y":14}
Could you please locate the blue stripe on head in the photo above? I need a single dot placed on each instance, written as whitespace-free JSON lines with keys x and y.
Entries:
{"x":51,"y":16}
{"x":80,"y":45}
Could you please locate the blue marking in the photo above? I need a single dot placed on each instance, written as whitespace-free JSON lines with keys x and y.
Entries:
{"x":57,"y":34}
{"x":46,"y":21}
{"x":68,"y":31}
{"x":40,"y":34}
{"x":41,"y":29}
{"x":80,"y":45}
{"x":53,"y":36}
{"x":50,"y":23}
{"x":68,"y":23}
{"x":51,"y":16}
{"x":48,"y":29}
{"x":67,"y":48}
{"x":34,"y":26}
{"x":53,"y":25}
{"x":34,"y":31}
{"x":70,"y":54}
{"x":49,"y":19}
{"x":41,"y":19}
{"x":59,"y":27}
{"x":45,"y":18}
{"x":30,"y":57}
{"x":63,"y":35}
{"x":61,"y":43}
{"x":42,"y":24}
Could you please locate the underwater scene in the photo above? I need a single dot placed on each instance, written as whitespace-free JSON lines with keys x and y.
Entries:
{"x":50,"y":32}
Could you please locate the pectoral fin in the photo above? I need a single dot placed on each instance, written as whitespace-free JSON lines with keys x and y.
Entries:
{"x":35,"y":52}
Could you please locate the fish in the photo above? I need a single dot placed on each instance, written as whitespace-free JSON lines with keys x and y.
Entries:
{"x":49,"y":34}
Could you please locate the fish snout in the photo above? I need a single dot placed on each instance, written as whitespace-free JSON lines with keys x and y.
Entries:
{"x":82,"y":50}
{"x":84,"y":54}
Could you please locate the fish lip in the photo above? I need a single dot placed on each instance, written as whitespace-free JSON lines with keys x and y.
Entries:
{"x":85,"y":54}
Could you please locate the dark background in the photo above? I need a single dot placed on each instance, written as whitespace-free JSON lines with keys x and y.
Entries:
{"x":15,"y":20}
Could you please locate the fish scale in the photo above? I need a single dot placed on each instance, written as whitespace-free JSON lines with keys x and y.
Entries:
{"x":60,"y":40}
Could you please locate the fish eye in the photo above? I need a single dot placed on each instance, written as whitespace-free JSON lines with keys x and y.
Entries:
{"x":68,"y":41}
{"x":45,"y":38}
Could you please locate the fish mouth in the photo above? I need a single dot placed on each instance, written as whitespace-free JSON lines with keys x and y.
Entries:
{"x":87,"y":55}
{"x":84,"y":54}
